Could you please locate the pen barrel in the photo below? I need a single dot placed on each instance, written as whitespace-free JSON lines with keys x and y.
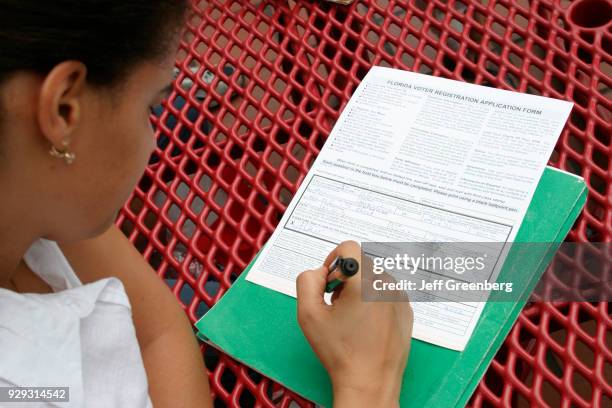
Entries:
{"x":336,"y":274}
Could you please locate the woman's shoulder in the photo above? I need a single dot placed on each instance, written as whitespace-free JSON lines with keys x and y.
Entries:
{"x":45,"y":259}
{"x":46,"y":338}
{"x":76,"y":302}
{"x":39,"y":337}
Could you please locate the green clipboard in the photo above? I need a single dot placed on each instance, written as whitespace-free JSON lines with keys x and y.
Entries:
{"x":258,"y":326}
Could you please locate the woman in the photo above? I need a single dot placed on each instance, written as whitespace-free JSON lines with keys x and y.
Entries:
{"x":78,"y":79}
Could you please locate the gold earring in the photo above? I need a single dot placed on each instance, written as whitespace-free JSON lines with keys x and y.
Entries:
{"x":65,"y":154}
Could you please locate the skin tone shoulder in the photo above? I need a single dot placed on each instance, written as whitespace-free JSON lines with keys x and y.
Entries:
{"x":109,"y":133}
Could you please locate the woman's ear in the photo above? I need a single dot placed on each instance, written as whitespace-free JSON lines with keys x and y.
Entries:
{"x":60,"y":102}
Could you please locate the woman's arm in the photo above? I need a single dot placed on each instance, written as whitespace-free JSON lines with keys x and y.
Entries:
{"x":172,"y":359}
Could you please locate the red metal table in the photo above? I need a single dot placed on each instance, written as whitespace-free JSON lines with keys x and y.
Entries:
{"x":259,"y":86}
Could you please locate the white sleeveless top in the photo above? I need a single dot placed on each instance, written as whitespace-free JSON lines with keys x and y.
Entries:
{"x":81,"y":336}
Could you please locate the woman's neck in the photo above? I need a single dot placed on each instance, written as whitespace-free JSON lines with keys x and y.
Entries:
{"x":24,"y":211}
{"x":17,"y":233}
{"x":25,"y":280}
{"x":12,"y":249}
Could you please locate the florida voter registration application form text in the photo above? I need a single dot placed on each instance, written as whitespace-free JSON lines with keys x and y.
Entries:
{"x":416,"y":158}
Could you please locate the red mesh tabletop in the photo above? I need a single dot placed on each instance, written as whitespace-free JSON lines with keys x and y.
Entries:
{"x":259,"y":86}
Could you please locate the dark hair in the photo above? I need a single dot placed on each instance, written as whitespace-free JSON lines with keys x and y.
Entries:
{"x":108,"y":36}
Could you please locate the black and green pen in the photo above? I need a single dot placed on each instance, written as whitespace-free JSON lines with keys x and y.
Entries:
{"x":340,"y":270}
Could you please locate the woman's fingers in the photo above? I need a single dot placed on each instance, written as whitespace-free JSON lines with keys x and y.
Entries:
{"x":310,"y":287}
{"x":346,"y":249}
{"x":351,"y":288}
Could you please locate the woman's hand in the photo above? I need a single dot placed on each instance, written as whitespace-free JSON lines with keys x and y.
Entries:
{"x":363,"y":345}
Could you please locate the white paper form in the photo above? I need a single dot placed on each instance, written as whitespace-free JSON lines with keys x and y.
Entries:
{"x":415,"y":158}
